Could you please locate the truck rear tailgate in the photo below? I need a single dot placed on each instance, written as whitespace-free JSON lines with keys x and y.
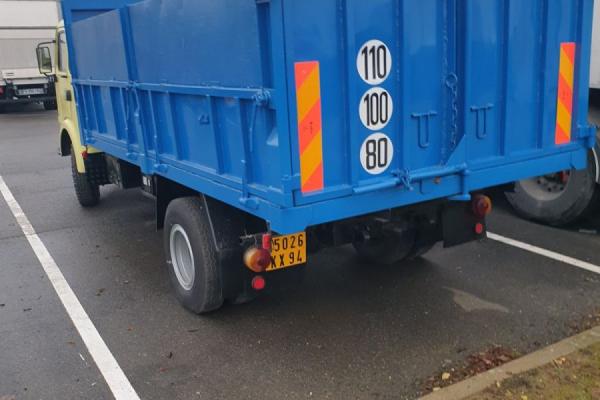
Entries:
{"x":431,"y":88}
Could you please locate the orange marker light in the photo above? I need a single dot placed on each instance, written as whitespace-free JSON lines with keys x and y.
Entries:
{"x":482,"y":206}
{"x":257,"y":260}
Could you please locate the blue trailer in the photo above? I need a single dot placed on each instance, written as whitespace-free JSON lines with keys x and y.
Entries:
{"x":269,"y":128}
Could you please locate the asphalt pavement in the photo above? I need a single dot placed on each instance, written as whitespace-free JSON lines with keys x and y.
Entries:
{"x":350,"y":331}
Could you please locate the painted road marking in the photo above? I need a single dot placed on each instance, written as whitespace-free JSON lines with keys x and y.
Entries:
{"x":546,"y":253}
{"x":108,"y":366}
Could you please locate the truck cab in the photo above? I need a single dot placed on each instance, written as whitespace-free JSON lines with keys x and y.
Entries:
{"x":69,"y":139}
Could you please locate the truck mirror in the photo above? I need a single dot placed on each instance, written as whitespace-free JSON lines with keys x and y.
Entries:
{"x":44,"y":60}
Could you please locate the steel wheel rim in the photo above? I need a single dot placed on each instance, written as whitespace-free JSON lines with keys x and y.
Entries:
{"x":182,"y":257}
{"x":547,"y":187}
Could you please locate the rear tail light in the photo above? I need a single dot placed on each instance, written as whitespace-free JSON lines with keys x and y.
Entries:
{"x":266,"y":241}
{"x":259,"y":283}
{"x":479,"y":228}
{"x":482,"y":206}
{"x":1,"y":90}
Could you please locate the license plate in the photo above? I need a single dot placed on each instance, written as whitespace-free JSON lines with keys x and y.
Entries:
{"x":288,"y":251}
{"x":29,"y":92}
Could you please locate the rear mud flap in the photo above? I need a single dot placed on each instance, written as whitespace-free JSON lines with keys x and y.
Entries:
{"x":460,"y":225}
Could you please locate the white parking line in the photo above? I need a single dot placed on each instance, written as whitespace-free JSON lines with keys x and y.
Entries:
{"x":546,"y":253}
{"x":108,"y":366}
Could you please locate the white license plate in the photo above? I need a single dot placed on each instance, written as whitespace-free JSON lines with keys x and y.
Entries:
{"x":29,"y":92}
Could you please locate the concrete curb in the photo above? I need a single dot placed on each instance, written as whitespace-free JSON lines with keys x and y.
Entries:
{"x":537,"y":359}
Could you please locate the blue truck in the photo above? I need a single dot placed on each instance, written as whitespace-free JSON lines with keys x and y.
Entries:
{"x":269,"y":129}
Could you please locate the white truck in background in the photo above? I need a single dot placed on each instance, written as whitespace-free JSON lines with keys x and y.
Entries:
{"x":595,"y":69}
{"x":23,"y":25}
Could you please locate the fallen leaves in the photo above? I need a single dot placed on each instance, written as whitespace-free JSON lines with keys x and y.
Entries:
{"x":575,"y":376}
{"x":584,"y":323}
{"x":560,"y":361}
{"x":473,"y":365}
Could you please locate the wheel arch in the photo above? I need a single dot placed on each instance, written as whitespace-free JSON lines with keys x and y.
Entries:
{"x":225,"y":226}
{"x":67,"y":142}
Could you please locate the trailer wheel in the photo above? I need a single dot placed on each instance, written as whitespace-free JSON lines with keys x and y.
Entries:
{"x":88,"y":194}
{"x":389,"y":248}
{"x":50,"y":105}
{"x":558,"y":199}
{"x":192,"y":259}
{"x":420,"y":249}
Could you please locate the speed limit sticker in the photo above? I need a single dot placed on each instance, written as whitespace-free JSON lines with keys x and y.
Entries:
{"x":376,"y":109}
{"x":377,"y":153}
{"x":374,"y":62}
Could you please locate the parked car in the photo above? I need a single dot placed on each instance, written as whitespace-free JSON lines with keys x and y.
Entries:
{"x":263,"y":141}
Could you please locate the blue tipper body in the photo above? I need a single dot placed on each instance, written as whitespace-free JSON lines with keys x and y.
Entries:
{"x":208,"y":94}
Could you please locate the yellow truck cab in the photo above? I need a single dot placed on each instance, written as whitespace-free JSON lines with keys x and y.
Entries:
{"x":88,"y":192}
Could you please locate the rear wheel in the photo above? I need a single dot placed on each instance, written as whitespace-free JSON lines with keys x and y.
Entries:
{"x":558,"y":199}
{"x":388,"y":247}
{"x":192,"y":259}
{"x":419,"y":249}
{"x":88,"y":194}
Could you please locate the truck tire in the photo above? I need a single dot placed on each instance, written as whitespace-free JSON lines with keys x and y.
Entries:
{"x":192,"y":259}
{"x":389,"y":248}
{"x":88,"y":194}
{"x":559,"y":199}
{"x":50,"y":105}
{"x":420,"y":249}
